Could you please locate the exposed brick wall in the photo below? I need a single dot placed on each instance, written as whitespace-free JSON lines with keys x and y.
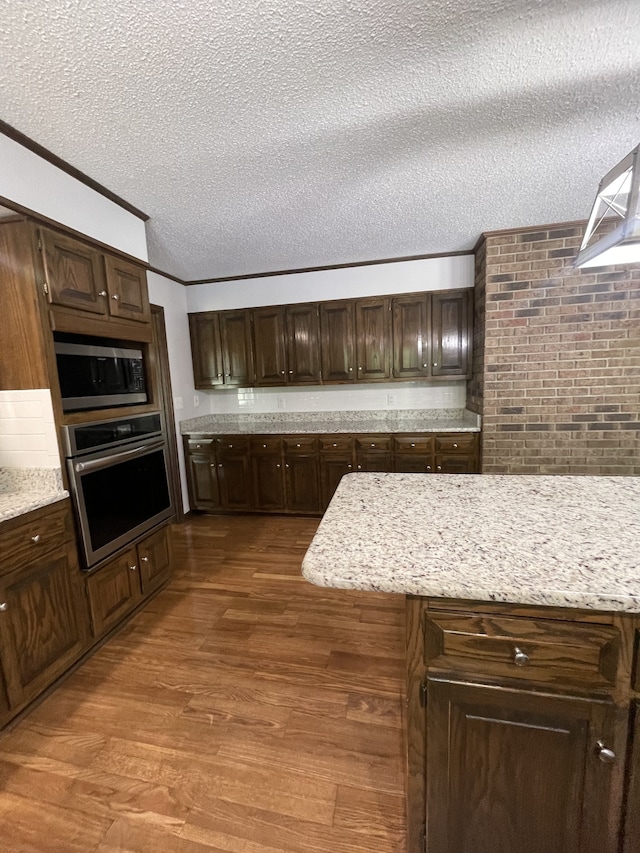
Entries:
{"x":475,"y":386}
{"x":558,"y":383}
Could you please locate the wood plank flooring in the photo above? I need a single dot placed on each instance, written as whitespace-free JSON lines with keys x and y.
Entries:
{"x":243,"y":710}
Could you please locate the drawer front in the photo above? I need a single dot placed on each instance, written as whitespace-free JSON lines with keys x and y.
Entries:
{"x":534,"y":650}
{"x":336,"y":443}
{"x":456,"y":442}
{"x":373,"y":443}
{"x":40,"y":534}
{"x":232,"y":444}
{"x":200,"y":445}
{"x":300,"y":444}
{"x":265,"y":444}
{"x":413,"y":443}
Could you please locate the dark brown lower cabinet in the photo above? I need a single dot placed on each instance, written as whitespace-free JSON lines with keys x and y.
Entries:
{"x":302,"y":482}
{"x":268,"y":481}
{"x":632,"y":811}
{"x":511,"y":770}
{"x":234,"y":480}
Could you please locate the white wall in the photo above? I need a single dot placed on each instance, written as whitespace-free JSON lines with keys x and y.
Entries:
{"x":27,"y":179}
{"x":173,"y":298}
{"x":27,"y":430}
{"x":372,"y":280}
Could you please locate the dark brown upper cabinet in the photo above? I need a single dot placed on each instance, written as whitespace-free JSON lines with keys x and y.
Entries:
{"x":411,"y":325}
{"x":303,"y":344}
{"x":83,"y":278}
{"x":373,"y":339}
{"x":269,"y":346}
{"x":221,"y":349}
{"x":336,"y":341}
{"x":450,"y":333}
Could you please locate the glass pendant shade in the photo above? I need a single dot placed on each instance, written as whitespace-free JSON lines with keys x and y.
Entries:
{"x":617,"y":199}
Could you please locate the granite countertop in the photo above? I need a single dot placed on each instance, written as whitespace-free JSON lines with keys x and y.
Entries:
{"x":427,"y":420}
{"x":541,"y":540}
{"x":25,"y":489}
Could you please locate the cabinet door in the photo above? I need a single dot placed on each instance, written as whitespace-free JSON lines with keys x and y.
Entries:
{"x":336,"y":340}
{"x":206,"y":352}
{"x":113,"y":591}
{"x":269,"y":346}
{"x":631,"y":833}
{"x":74,"y":273}
{"x":127,"y":289}
{"x":237,"y":353}
{"x":154,"y":560}
{"x":517,"y":771}
{"x":332,"y":470}
{"x":461,"y":463}
{"x":268,"y":482}
{"x":302,"y":482}
{"x":303,"y":344}
{"x":373,"y":339}
{"x":234,"y":481}
{"x":42,"y":624}
{"x":202,"y":480}
{"x":450,"y":333}
{"x":420,"y":463}
{"x":411,"y":336}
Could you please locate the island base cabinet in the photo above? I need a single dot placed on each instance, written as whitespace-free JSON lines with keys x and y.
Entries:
{"x":512,"y":770}
{"x":42,"y":626}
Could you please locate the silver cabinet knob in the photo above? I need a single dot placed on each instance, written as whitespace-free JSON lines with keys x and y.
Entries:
{"x":351,"y":370}
{"x":349,"y":466}
{"x":428,"y":467}
{"x":145,"y":559}
{"x":198,"y":446}
{"x":290,"y":372}
{"x":35,"y":539}
{"x":334,"y":444}
{"x":229,"y":375}
{"x":115,"y":296}
{"x":359,"y":467}
{"x":412,"y":444}
{"x":425,"y":365}
{"x":3,"y":606}
{"x":219,"y":375}
{"x":435,"y":363}
{"x":606,"y":755}
{"x":455,"y":445}
{"x":264,"y":445}
{"x":359,"y":368}
{"x":520,"y":658}
{"x":286,"y":464}
{"x":298,"y":445}
{"x":373,"y":445}
{"x":231,"y":445}
{"x":212,"y":465}
{"x":278,"y":465}
{"x":219,"y":464}
{"x":438,"y":467}
{"x":102,"y":293}
{"x":282,"y":372}
{"x":133,"y":568}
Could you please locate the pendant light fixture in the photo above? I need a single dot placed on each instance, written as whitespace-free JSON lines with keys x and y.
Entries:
{"x":617,"y":198}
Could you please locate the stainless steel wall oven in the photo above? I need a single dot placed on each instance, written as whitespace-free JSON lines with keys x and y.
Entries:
{"x":118,"y":478}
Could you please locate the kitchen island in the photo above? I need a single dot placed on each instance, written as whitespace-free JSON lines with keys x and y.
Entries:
{"x":523,"y":690}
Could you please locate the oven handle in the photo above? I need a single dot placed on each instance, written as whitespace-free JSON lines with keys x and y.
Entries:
{"x":106,"y":461}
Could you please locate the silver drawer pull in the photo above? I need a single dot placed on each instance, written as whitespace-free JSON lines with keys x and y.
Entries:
{"x":102,"y":293}
{"x":145,"y":559}
{"x":412,"y":444}
{"x":35,"y":539}
{"x":133,"y":568}
{"x":298,"y":445}
{"x":335,"y":445}
{"x":455,"y":445}
{"x":115,"y":296}
{"x":3,"y":606}
{"x":606,"y":755}
{"x":373,"y":445}
{"x":520,"y":658}
{"x":264,"y":445}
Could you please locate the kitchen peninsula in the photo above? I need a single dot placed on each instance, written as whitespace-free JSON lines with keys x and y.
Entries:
{"x":523,"y":689}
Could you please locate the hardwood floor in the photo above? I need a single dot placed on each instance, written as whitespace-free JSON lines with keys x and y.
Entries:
{"x":243,"y":710}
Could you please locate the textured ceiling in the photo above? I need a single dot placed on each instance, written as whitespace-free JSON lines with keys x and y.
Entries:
{"x":275,"y":134}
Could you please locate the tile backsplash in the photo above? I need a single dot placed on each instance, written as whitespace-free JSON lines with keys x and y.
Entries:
{"x":27,"y":430}
{"x":337,"y":398}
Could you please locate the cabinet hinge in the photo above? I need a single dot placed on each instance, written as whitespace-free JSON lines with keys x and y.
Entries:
{"x":422,"y":693}
{"x":45,"y":288}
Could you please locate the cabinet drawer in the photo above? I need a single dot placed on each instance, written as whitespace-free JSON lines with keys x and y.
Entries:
{"x":199,"y":445}
{"x":300,"y":444}
{"x":413,"y":443}
{"x":233,"y":443}
{"x":371,"y":443}
{"x":461,"y":442}
{"x":535,"y":650}
{"x":42,"y":532}
{"x":265,"y":444}
{"x":336,"y":443}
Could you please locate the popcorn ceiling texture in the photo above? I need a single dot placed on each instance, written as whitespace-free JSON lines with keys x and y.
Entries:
{"x":283,"y":133}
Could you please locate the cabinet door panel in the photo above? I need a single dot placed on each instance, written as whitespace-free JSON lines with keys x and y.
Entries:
{"x":234,"y":481}
{"x":450,"y":349}
{"x":302,"y":483}
{"x":203,"y":482}
{"x":206,"y":353}
{"x":413,"y":464}
{"x":374,"y":462}
{"x":373,"y":332}
{"x":154,"y":560}
{"x":512,"y":770}
{"x":74,"y":273}
{"x":332,"y":470}
{"x":303,"y":344}
{"x":631,"y":832}
{"x":114,"y":590}
{"x":461,"y":463}
{"x":336,"y":333}
{"x":127,"y":288}
{"x":411,"y":336}
{"x":269,"y":346}
{"x":43,"y":628}
{"x":237,"y":353}
{"x":268,"y":482}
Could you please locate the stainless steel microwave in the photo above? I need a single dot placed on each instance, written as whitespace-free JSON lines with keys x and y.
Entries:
{"x":93,"y":376}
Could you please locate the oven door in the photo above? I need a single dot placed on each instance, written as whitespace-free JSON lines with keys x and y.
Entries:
{"x":119,"y":495}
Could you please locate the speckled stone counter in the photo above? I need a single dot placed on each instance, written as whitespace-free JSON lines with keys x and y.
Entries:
{"x":429,"y":420}
{"x":25,"y":489}
{"x":554,"y":541}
